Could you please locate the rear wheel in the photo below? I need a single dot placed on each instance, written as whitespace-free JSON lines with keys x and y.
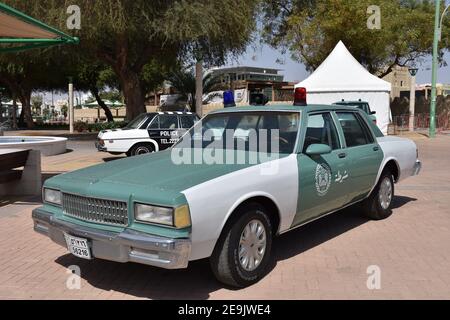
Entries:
{"x":242,"y":253}
{"x":140,"y":148}
{"x":378,"y":205}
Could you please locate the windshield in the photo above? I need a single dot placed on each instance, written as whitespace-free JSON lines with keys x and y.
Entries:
{"x":272,"y":132}
{"x":134,"y":124}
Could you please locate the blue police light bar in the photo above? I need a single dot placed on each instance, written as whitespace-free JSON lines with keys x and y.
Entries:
{"x":228,"y":99}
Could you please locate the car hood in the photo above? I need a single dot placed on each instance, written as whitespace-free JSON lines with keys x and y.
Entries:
{"x":153,"y":176}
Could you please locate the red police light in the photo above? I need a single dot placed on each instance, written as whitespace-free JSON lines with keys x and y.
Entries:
{"x":300,"y":97}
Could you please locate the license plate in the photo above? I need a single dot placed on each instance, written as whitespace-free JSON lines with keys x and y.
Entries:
{"x":78,"y":246}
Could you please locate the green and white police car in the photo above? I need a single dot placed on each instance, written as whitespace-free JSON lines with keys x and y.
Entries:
{"x":217,"y":195}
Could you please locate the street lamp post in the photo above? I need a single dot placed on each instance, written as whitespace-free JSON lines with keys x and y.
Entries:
{"x":412,"y":97}
{"x":437,"y":37}
{"x":71,"y":112}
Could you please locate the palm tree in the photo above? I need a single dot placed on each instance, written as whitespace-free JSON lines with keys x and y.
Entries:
{"x":183,"y":80}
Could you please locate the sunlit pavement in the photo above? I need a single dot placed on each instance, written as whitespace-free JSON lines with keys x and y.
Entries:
{"x":327,"y":259}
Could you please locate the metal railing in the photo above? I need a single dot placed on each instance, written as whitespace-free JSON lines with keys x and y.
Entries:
{"x":400,"y":123}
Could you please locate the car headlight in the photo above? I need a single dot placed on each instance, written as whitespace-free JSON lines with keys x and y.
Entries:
{"x":175,"y":217}
{"x":52,"y":196}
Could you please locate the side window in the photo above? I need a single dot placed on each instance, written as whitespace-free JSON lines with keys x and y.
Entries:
{"x":354,"y":132}
{"x":366,"y":129}
{"x":146,"y":122}
{"x":168,"y":121}
{"x":187,"y":121}
{"x":321,"y":129}
{"x":154,"y":124}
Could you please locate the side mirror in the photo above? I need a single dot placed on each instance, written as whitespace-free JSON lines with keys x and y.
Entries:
{"x":373,"y":112}
{"x":318,"y":149}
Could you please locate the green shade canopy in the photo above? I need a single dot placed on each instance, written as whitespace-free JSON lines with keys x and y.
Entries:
{"x":25,"y":32}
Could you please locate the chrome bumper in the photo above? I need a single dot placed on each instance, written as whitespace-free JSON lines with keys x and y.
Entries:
{"x":125,"y":246}
{"x":99,"y":147}
{"x":417,"y":168}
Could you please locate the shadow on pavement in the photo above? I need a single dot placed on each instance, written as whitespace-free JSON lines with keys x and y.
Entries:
{"x":20,"y":201}
{"x":112,"y":158}
{"x":197,"y":281}
{"x":400,"y":201}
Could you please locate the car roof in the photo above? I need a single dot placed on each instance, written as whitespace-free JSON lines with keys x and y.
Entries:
{"x":285,"y":108}
{"x":171,"y":113}
{"x":351,"y":102}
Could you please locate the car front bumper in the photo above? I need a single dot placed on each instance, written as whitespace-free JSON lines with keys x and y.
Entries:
{"x":126,"y":246}
{"x":99,"y":146}
{"x":417,"y":168}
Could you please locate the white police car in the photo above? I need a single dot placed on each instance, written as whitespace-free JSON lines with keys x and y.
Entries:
{"x":149,"y":132}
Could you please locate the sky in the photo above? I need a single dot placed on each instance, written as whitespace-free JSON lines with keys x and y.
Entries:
{"x":265,"y":56}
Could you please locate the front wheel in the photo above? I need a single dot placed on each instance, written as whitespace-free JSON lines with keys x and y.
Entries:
{"x":378,"y":205}
{"x":242,"y":253}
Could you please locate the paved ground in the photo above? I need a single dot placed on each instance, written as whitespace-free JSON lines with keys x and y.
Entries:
{"x":327,"y":259}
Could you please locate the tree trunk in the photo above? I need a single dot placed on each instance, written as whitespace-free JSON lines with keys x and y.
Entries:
{"x":199,"y":88}
{"x":14,"y":115}
{"x":25,"y":116}
{"x":132,"y":91}
{"x":21,"y":120}
{"x":128,"y":74}
{"x":101,"y":103}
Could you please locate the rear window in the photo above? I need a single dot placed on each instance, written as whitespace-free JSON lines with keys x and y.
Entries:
{"x":354,"y":131}
{"x":167,"y":121}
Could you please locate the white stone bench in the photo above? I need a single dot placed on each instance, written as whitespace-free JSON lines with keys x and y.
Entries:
{"x":20,"y":182}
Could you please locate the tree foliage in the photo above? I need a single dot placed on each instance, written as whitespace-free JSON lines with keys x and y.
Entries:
{"x":139,"y":40}
{"x":310,"y":30}
{"x":133,"y":37}
{"x":183,"y":80}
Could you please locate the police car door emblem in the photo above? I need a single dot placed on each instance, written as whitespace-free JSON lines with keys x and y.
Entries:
{"x":323,"y":179}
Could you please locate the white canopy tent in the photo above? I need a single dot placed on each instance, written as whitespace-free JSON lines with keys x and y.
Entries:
{"x":341,"y":76}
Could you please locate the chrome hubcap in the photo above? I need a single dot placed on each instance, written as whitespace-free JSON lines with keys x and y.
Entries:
{"x":385,"y":194}
{"x":142,"y":150}
{"x":252,"y":245}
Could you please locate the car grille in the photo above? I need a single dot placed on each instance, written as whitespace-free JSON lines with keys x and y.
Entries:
{"x":95,"y":210}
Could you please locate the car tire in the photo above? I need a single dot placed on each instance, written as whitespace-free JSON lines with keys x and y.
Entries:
{"x":140,"y":148}
{"x":242,"y":234}
{"x":378,"y":205}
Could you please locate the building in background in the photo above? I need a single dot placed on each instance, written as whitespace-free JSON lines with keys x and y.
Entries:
{"x":252,"y":80}
{"x":424,"y":90}
{"x":400,"y":80}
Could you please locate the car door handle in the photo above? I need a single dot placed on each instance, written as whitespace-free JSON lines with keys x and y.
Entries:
{"x":342,"y":155}
{"x":376,"y":148}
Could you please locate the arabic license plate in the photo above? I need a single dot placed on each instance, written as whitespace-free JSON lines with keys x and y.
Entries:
{"x":78,"y":246}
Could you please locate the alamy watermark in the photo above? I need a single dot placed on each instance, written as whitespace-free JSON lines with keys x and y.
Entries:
{"x":374,"y":20}
{"x":73,"y":22}
{"x":374,"y":278}
{"x":73,"y":281}
{"x":231,"y":146}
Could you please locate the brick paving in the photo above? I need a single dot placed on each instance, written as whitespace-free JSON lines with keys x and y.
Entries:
{"x":326,"y":259}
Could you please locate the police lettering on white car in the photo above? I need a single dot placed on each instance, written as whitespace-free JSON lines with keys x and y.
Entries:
{"x":149,"y":132}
